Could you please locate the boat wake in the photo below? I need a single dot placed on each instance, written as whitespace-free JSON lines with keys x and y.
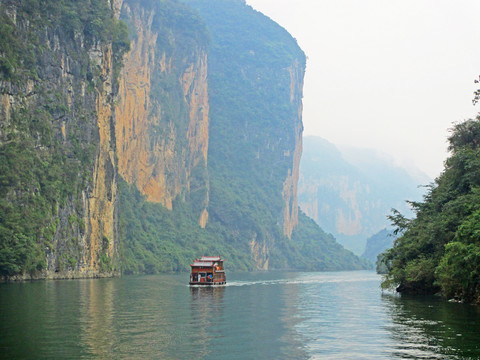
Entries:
{"x":321,"y":280}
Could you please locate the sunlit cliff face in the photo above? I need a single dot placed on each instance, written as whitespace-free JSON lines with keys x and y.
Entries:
{"x":101,"y":204}
{"x":156,"y":153}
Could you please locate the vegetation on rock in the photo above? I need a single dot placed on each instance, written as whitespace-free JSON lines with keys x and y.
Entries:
{"x":155,"y":239}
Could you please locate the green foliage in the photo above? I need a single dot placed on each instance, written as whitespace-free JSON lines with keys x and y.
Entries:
{"x":36,"y":174}
{"x":419,"y":273}
{"x":105,"y":263}
{"x":465,"y":134}
{"x":381,"y":266}
{"x":458,"y":272}
{"x":154,"y":239}
{"x":439,"y":249}
{"x":180,"y":28}
{"x":399,"y":221}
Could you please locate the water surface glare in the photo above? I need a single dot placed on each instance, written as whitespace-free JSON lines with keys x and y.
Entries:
{"x":269,"y":315}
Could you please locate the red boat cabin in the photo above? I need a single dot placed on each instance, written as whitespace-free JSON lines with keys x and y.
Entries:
{"x":208,"y":270}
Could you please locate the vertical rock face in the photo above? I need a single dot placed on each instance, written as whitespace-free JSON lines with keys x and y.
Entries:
{"x":85,"y":243}
{"x":290,"y":186}
{"x":256,"y":79}
{"x":162,"y":114}
{"x":59,"y":101}
{"x":101,"y":211}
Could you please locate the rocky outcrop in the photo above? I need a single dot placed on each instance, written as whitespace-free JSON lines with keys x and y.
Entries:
{"x":162,"y":114}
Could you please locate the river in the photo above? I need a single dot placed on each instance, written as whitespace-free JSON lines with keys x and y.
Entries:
{"x":268,"y":315}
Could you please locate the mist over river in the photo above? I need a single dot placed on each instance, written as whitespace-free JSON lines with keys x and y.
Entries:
{"x":268,"y":315}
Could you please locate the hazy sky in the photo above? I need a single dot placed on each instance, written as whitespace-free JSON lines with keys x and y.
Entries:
{"x":388,"y":75}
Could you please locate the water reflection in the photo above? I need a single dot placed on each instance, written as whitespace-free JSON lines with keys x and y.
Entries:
{"x":97,"y":309}
{"x":207,"y":309}
{"x":207,"y":294}
{"x":293,"y":343}
{"x":427,"y":327}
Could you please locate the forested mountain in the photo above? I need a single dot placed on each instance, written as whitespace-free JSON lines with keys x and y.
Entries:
{"x":349,"y":192}
{"x":138,"y":135}
{"x":439,"y":249}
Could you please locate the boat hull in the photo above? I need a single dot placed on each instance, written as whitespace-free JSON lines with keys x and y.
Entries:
{"x":219,"y":283}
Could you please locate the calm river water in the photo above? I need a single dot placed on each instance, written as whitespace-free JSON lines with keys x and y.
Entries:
{"x":272,"y":315}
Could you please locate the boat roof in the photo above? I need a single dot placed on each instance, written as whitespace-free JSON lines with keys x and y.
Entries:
{"x":210,"y":258}
{"x":202,"y":263}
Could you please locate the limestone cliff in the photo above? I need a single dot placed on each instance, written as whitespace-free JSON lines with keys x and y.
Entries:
{"x":101,"y":214}
{"x":57,"y":139}
{"x":162,"y":115}
{"x":94,"y":154}
{"x":256,"y":72}
{"x":290,"y":186}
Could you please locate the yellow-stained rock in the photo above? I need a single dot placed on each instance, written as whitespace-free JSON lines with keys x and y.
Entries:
{"x":154,"y":153}
{"x":101,"y":202}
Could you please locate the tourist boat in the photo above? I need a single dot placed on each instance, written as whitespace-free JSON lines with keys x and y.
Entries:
{"x":208,"y":270}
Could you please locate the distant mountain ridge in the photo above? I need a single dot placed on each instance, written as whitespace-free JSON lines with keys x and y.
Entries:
{"x":377,"y":244}
{"x":349,"y":192}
